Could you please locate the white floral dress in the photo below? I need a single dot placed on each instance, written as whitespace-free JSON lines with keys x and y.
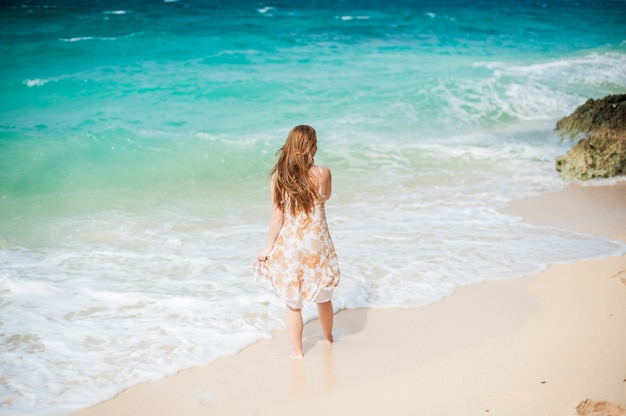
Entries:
{"x":303,"y":267}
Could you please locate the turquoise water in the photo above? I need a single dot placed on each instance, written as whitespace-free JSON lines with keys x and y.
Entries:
{"x":136,"y":138}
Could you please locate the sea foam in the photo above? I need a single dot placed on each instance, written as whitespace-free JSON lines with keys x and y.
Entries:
{"x":35,"y":82}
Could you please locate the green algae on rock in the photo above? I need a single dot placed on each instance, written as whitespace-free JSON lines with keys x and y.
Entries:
{"x":602,"y":152}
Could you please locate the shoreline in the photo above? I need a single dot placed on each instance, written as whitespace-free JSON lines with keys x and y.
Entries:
{"x":538,"y":344}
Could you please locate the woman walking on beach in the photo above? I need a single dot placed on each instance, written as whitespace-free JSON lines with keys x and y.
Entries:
{"x":299,"y":261}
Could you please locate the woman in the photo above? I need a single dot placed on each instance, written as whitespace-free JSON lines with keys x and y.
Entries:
{"x":299,"y":260}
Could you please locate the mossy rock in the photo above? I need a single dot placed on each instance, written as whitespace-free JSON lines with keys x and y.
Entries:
{"x":602,"y":153}
{"x":606,"y":113}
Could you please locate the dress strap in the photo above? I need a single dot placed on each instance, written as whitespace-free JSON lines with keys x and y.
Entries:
{"x":319,"y":171}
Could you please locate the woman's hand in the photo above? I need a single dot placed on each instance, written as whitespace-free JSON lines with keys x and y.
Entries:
{"x":262,"y":256}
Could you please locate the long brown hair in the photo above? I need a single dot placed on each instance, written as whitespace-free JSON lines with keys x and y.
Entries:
{"x":291,"y":173}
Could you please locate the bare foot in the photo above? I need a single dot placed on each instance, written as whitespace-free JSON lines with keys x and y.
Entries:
{"x":296,"y":356}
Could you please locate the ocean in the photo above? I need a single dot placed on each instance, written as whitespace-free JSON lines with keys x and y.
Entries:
{"x":136,"y":140}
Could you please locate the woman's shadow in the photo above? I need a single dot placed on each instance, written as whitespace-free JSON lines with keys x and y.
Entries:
{"x":346,"y":322}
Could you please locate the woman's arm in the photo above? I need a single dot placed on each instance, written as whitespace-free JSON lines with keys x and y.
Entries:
{"x":276,"y":223}
{"x":327,"y":183}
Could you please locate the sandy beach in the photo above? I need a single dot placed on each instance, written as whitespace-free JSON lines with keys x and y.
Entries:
{"x":548,"y":344}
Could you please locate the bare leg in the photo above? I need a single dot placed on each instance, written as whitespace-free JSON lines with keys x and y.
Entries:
{"x":293,"y":317}
{"x":325,"y":312}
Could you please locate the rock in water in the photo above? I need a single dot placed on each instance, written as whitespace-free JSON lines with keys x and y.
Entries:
{"x":608,"y":112}
{"x":602,"y":153}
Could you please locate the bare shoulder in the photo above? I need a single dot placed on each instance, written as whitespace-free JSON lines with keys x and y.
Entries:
{"x":324,"y":170}
{"x":324,"y":173}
